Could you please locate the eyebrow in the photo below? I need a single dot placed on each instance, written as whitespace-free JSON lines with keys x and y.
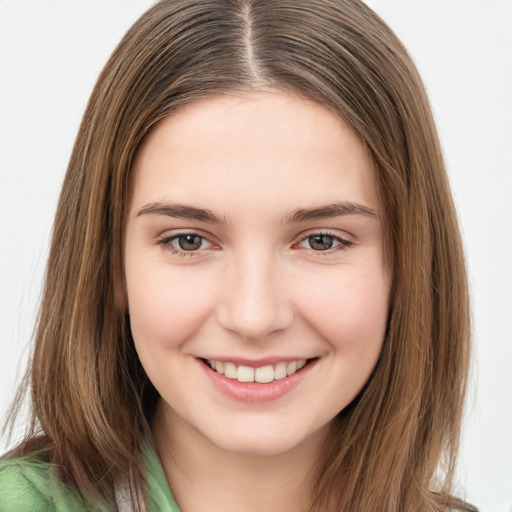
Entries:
{"x":182,"y":211}
{"x":337,"y":209}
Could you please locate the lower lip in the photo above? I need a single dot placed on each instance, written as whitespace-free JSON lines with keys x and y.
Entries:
{"x":254,"y":391}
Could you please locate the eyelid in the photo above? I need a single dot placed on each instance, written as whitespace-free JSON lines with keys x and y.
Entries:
{"x":168,"y":236}
{"x":345,"y":241}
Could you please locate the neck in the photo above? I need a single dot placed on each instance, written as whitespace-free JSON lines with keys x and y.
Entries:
{"x":202,"y":476}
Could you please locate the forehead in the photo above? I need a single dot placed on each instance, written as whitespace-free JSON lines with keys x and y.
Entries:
{"x":270,"y":148}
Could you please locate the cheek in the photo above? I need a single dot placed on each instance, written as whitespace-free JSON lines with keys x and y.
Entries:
{"x":167,"y":307}
{"x":350,"y":309}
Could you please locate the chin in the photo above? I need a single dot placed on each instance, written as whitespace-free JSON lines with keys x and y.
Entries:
{"x":265,"y":441}
{"x":256,"y":447}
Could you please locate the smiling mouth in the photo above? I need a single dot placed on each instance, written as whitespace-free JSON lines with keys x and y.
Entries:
{"x":262,"y":374}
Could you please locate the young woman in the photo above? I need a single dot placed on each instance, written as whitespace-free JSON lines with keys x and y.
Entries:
{"x":256,"y":295}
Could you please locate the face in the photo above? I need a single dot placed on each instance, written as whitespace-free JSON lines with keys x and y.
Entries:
{"x":256,"y":283}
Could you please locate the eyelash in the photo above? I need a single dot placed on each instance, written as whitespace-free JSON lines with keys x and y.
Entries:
{"x":344,"y":243}
{"x":166,"y":242}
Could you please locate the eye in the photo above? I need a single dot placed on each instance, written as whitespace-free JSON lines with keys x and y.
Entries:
{"x":324,"y":242}
{"x":185,"y":243}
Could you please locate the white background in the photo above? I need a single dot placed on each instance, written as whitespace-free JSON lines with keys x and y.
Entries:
{"x":50,"y":55}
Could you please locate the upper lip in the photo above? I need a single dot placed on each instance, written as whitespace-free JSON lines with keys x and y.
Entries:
{"x":256,"y":363}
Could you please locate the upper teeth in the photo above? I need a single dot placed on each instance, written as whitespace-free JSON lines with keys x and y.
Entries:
{"x":263,"y":374}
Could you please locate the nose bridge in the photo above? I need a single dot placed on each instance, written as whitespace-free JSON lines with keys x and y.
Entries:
{"x":256,"y":303}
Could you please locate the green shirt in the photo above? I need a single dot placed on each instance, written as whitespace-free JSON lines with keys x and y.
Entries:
{"x":28,"y":484}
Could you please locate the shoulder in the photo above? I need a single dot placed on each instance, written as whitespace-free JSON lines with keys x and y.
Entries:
{"x":30,"y":484}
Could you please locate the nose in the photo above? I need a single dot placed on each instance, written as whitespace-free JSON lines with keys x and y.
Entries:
{"x":256,"y":302}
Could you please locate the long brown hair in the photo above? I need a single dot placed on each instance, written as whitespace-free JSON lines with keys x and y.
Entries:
{"x":91,"y":401}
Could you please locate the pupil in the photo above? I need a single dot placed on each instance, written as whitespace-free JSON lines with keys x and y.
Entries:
{"x":321,"y":242}
{"x":189,"y":242}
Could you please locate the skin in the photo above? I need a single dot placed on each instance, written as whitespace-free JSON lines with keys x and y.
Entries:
{"x":255,"y":288}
